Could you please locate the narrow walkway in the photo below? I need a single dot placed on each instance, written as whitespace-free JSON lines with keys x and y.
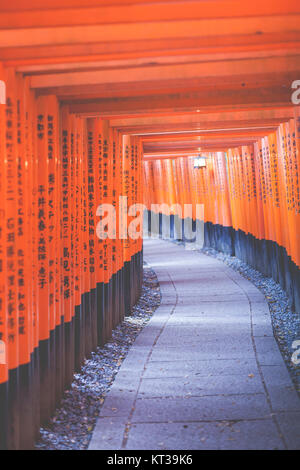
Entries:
{"x":206,"y":372}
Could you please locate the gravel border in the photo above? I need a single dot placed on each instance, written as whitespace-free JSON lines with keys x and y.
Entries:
{"x":285,"y":322}
{"x":72,"y":425}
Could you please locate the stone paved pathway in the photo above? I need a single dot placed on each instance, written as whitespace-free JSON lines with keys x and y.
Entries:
{"x":206,"y":371}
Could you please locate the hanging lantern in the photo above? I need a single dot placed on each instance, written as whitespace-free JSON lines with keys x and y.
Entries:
{"x":199,"y":162}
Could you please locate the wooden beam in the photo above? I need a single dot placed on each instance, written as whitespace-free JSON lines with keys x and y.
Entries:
{"x":140,"y":12}
{"x":151,"y":61}
{"x":213,"y":147}
{"x":206,"y":121}
{"x":216,"y":27}
{"x":97,"y":94}
{"x":47,"y":54}
{"x":255,"y":7}
{"x":184,"y":72}
{"x":25,"y":5}
{"x":202,"y":135}
{"x":217,"y":99}
{"x":268,"y":126}
{"x":194,"y":145}
{"x":172,"y":156}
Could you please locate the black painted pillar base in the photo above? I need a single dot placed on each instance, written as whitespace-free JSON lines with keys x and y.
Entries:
{"x":26,"y":417}
{"x":3,"y":416}
{"x":52,"y":341}
{"x":108,"y":309}
{"x":94,"y":336}
{"x":45,"y":381}
{"x":13,"y":410}
{"x":36,"y":393}
{"x":79,"y":338}
{"x":265,"y":256}
{"x":122,"y":294}
{"x":127,"y":287}
{"x":87,"y":320}
{"x":100,"y":313}
{"x":60,"y":362}
{"x":69,"y":352}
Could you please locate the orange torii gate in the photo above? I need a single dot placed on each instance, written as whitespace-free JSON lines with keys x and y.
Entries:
{"x":87,"y":90}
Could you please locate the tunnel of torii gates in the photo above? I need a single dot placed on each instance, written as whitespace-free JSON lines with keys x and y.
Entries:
{"x":102,"y":99}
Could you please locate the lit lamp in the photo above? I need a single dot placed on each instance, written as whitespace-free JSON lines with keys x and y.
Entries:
{"x":199,"y":162}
